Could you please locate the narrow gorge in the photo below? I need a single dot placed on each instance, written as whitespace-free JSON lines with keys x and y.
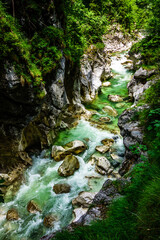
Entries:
{"x":80,"y":120}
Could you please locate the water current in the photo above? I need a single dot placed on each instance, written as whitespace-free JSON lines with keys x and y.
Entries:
{"x":42,"y":175}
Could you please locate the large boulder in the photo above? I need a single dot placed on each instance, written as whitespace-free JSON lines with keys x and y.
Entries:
{"x":75,"y":147}
{"x":61,"y":188}
{"x":12,"y":214}
{"x":110,"y":111}
{"x":57,"y":152}
{"x":49,"y":221}
{"x":33,"y":207}
{"x":102,"y":165}
{"x":84,"y":199}
{"x":115,"y":98}
{"x":69,"y":166}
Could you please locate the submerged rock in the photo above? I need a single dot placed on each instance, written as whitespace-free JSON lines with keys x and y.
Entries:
{"x":49,"y":221}
{"x":115,"y":98}
{"x":12,"y":214}
{"x":110,"y":111}
{"x":61,"y":188}
{"x":33,"y":207}
{"x":84,"y":199}
{"x":69,"y":166}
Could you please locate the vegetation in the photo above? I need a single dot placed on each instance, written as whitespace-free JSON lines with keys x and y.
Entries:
{"x":34,"y":48}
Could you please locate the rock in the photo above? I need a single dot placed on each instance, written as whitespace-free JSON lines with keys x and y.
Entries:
{"x":12,"y":214}
{"x":107,"y":142}
{"x":102,"y":149}
{"x":84,"y":199}
{"x":141,"y":74}
{"x":78,"y":212}
{"x":110,"y":191}
{"x":57,"y":153}
{"x":75,"y":147}
{"x":115,"y":98}
{"x":49,"y":221}
{"x":32,"y":207}
{"x":69,"y":165}
{"x":61,"y":188}
{"x":106,"y":84}
{"x":115,"y":157}
{"x":105,"y":119}
{"x":110,"y":111}
{"x":132,"y":133}
{"x":103,"y":164}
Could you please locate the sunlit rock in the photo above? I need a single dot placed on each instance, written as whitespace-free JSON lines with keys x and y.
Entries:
{"x":102,"y":165}
{"x":12,"y":214}
{"x":57,"y":153}
{"x":106,"y":84}
{"x":115,"y":98}
{"x":84,"y":199}
{"x":78,"y":212}
{"x":110,"y":111}
{"x":102,"y":149}
{"x":61,"y":188}
{"x":33,"y":207}
{"x":75,"y":147}
{"x":69,"y":166}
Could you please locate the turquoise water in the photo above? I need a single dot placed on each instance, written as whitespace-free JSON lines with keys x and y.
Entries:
{"x":40,"y":178}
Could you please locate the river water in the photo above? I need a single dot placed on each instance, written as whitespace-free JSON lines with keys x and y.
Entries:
{"x":40,"y":178}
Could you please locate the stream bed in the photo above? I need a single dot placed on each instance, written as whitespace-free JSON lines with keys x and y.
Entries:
{"x":40,"y":178}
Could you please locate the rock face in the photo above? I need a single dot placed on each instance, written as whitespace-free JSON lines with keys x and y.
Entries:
{"x":132,"y":134}
{"x":32,"y":207}
{"x":12,"y":214}
{"x":95,"y":66}
{"x":61,"y":188}
{"x":69,"y":166}
{"x":139,"y":84}
{"x":101,"y":201}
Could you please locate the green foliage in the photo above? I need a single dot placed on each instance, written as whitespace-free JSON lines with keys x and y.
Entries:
{"x":15,"y":48}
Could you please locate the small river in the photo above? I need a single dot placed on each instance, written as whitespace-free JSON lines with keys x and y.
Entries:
{"x":40,"y":178}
